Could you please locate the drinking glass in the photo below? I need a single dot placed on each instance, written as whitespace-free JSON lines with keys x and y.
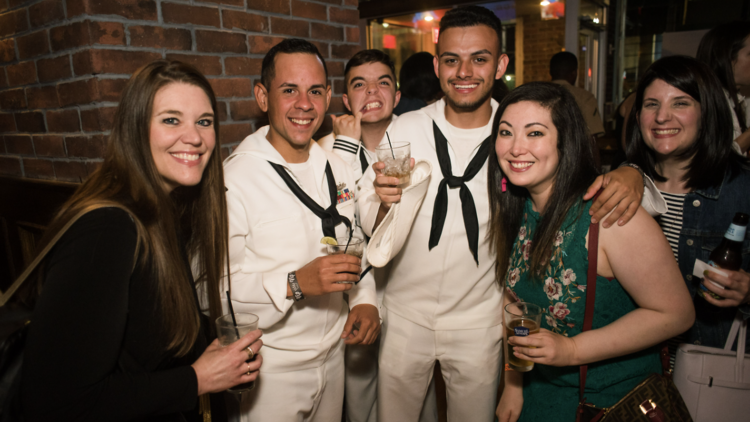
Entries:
{"x":356,"y":248}
{"x":397,"y":159}
{"x":228,"y":333}
{"x":521,"y":319}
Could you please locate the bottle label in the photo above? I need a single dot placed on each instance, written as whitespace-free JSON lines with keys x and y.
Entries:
{"x":705,"y":290}
{"x":735,"y":233}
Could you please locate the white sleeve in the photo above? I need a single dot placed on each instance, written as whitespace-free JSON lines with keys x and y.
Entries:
{"x":368,"y":202}
{"x":347,"y":149}
{"x":652,"y":201}
{"x":263,"y":294}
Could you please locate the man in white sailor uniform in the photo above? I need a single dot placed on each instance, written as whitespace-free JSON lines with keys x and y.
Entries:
{"x":371,"y":96}
{"x":442,"y":302}
{"x":284,"y":194}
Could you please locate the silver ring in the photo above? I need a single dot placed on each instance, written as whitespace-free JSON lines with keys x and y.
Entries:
{"x":250,"y":353}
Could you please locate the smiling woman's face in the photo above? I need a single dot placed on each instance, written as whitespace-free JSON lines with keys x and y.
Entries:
{"x":669,"y":119}
{"x":182,"y":135}
{"x":526,"y":146}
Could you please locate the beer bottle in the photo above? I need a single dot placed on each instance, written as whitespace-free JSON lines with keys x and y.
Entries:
{"x":728,"y":254}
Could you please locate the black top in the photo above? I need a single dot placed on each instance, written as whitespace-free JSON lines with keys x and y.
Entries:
{"x":95,"y":349}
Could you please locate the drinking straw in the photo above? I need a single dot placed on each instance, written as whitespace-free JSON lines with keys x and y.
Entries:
{"x":231,"y":312}
{"x":351,"y":233}
{"x":390,"y":145}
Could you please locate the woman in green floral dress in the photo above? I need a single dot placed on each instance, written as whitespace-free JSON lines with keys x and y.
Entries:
{"x":539,"y":226}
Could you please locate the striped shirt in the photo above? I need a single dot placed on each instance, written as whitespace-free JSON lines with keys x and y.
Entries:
{"x":671,"y":225}
{"x":671,"y":222}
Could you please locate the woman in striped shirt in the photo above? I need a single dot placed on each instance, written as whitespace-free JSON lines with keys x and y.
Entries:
{"x":680,"y":134}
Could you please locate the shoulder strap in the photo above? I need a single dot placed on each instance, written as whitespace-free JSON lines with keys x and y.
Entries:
{"x":588,"y":316}
{"x":39,"y":258}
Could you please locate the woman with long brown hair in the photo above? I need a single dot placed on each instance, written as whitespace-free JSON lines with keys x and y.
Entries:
{"x":118,"y":332}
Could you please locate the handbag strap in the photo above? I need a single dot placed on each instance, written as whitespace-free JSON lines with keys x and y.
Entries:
{"x":738,"y":331}
{"x":39,"y":258}
{"x":588,"y":316}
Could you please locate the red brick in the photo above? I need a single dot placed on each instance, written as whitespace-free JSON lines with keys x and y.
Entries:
{"x":7,"y":50}
{"x":3,"y":80}
{"x":54,"y":69}
{"x":245,"y":110}
{"x":242,"y":66}
{"x":70,"y":171}
{"x":10,"y":166}
{"x":354,"y":3}
{"x":221,"y":108}
{"x":85,"y":146}
{"x":293,"y":27}
{"x":42,"y":97}
{"x":339,"y":87}
{"x":47,"y":11}
{"x":337,"y":14}
{"x":184,"y":13}
{"x":3,"y":5}
{"x":230,"y":134}
{"x":131,"y":9}
{"x":322,"y":48}
{"x":327,"y":32}
{"x":345,"y":51}
{"x":232,"y":87}
{"x":208,"y":65}
{"x":229,"y":2}
{"x":220,"y":42}
{"x":13,"y":22}
{"x":109,"y":33}
{"x":38,"y":169}
{"x":245,"y":21}
{"x":12,"y":99}
{"x":97,"y":119}
{"x":335,"y":68}
{"x":49,"y":146}
{"x":303,"y":9}
{"x":32,"y":45}
{"x":68,"y":36}
{"x":111,"y":89}
{"x":111,"y":61}
{"x":13,"y":4}
{"x":336,"y":2}
{"x":65,"y":120}
{"x":31,"y":122}
{"x":159,"y":37}
{"x":78,"y":92}
{"x":260,"y":44}
{"x":23,"y":73}
{"x":352,"y":34}
{"x":19,"y":145}
{"x":7,"y":123}
{"x":273,"y":6}
{"x":337,"y":106}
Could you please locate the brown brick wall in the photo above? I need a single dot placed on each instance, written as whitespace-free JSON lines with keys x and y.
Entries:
{"x":63,"y":64}
{"x":541,"y":40}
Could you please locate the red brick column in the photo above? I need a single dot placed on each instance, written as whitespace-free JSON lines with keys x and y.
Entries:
{"x":541,"y":41}
{"x":63,"y":64}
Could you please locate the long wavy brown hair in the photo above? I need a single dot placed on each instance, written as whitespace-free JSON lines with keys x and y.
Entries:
{"x":194,"y":216}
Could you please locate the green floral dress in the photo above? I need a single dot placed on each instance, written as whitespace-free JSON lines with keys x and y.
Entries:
{"x":551,"y":393}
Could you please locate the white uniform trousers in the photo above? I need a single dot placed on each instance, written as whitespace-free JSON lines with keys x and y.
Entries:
{"x":362,"y":386}
{"x":308,"y":395}
{"x":470,"y":361}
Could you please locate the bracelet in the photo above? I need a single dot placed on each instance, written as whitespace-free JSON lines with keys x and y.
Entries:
{"x":296,"y":291}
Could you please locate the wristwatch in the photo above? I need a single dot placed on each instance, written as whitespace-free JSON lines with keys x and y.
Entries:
{"x":294,"y":286}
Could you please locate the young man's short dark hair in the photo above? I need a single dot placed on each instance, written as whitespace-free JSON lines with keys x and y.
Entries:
{"x":288,"y":46}
{"x":462,"y":17}
{"x":562,"y":65}
{"x":369,"y":56}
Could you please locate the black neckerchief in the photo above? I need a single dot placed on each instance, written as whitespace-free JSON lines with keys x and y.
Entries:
{"x":330,"y":217}
{"x":449,"y":180}
{"x":363,"y":159}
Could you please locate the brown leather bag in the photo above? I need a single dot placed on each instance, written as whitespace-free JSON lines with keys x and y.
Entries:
{"x":656,"y":399}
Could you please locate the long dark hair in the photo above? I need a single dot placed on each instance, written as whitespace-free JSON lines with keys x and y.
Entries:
{"x":712,"y":150}
{"x":128,"y":177}
{"x":718,"y":50}
{"x":575,"y":172}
